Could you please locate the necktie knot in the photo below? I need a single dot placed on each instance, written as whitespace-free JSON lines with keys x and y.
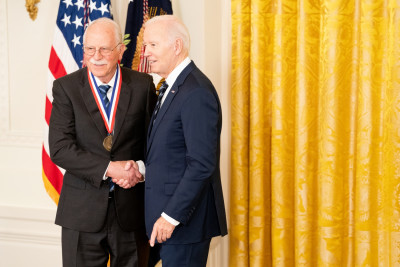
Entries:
{"x":162,"y":89}
{"x":161,"y":92}
{"x":104,"y":89}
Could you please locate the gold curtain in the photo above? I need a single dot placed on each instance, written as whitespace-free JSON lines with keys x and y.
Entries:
{"x":315,"y":133}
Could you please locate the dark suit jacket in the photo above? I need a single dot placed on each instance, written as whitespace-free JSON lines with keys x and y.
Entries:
{"x":182,"y":165}
{"x":76,"y":138}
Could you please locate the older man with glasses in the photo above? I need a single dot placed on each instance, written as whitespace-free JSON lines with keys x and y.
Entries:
{"x":97,"y":133}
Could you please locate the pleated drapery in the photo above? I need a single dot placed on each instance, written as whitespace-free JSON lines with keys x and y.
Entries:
{"x":315,"y":133}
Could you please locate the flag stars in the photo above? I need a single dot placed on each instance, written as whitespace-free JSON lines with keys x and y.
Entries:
{"x":68,"y":3}
{"x":92,"y":6}
{"x":66,"y":20}
{"x":76,"y":40}
{"x":79,"y":4}
{"x":78,"y":22}
{"x":103,"y":8}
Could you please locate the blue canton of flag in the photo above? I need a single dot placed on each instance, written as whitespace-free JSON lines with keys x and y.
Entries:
{"x":73,"y":18}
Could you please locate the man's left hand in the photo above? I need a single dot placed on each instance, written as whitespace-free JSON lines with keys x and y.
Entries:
{"x":162,"y":230}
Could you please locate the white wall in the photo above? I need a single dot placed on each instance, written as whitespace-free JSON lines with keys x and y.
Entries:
{"x":28,"y":236}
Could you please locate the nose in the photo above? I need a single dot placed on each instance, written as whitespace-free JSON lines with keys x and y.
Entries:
{"x":146,"y":51}
{"x":97,"y":54}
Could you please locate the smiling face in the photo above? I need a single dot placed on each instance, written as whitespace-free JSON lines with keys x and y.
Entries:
{"x":102,"y":35}
{"x":163,"y":53}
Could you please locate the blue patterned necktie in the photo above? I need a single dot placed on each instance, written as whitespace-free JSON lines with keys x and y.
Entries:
{"x":161,"y":93}
{"x":103,"y":94}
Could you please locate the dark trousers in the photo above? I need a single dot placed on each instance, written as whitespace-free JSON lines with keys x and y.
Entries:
{"x":187,"y":255}
{"x":126,"y":249}
{"x":154,"y":256}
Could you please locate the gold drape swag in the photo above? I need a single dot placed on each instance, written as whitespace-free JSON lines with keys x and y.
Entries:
{"x":315,"y":133}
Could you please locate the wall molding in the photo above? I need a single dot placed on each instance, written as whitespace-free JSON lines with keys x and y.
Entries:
{"x":27,"y":225}
{"x":29,"y":237}
{"x":24,"y":238}
{"x":19,"y":139}
{"x":7,"y":136}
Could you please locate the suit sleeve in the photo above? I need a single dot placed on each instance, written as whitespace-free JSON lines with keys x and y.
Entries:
{"x":200,"y":121}
{"x":64,"y":149}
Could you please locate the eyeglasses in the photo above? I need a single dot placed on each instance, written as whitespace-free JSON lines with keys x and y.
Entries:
{"x":104,"y":51}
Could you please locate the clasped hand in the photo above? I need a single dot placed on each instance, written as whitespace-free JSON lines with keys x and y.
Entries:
{"x":124,"y":173}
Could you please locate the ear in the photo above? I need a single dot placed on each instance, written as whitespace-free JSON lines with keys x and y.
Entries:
{"x":84,"y":60}
{"x":178,"y":46}
{"x":122,"y":49}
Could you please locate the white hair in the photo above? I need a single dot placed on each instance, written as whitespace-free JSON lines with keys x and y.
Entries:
{"x":104,"y":20}
{"x":175,"y":29}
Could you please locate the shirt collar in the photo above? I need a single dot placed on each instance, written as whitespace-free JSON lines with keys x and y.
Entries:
{"x":110,"y":83}
{"x":175,"y":73}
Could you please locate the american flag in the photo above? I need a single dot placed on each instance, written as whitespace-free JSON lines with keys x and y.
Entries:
{"x":66,"y":56}
{"x":139,"y":11}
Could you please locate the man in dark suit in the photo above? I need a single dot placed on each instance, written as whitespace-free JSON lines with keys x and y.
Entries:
{"x":184,"y":206}
{"x":98,"y":125}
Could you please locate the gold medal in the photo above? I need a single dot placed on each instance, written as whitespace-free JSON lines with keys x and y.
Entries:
{"x":107,"y":143}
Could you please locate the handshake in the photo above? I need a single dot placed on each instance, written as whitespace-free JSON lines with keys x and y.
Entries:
{"x":124,"y":173}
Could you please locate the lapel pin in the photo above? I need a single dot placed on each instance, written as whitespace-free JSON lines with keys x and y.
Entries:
{"x":173,"y":91}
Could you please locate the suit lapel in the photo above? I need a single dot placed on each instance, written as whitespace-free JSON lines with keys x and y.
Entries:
{"x":168,"y":100}
{"x":91,"y":105}
{"x":122,"y":108}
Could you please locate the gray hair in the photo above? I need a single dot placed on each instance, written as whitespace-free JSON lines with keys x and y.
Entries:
{"x":175,"y":29}
{"x":117,"y":29}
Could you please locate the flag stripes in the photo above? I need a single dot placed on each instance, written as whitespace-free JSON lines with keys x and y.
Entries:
{"x":66,"y":56}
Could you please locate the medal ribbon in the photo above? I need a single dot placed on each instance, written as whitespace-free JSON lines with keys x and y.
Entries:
{"x":109,"y":114}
